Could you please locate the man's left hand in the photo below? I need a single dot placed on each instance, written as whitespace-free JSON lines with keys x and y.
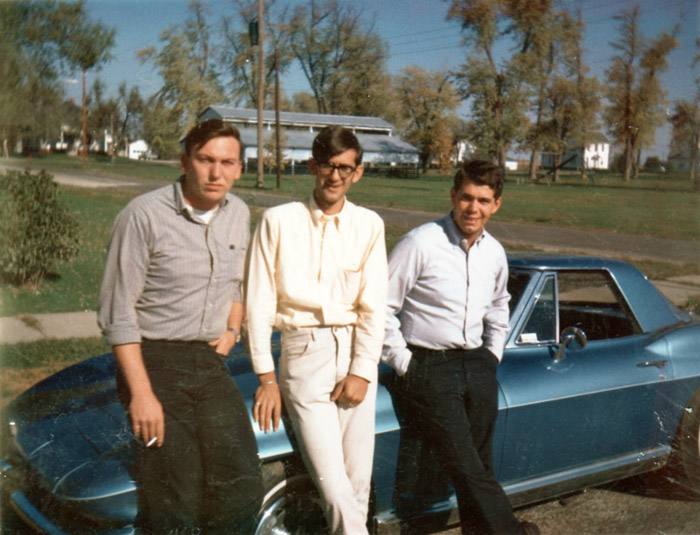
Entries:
{"x":223,"y":344}
{"x":350,"y":391}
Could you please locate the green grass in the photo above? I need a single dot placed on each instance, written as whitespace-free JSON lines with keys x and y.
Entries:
{"x":661,"y":205}
{"x":644,"y":208}
{"x":75,"y":284}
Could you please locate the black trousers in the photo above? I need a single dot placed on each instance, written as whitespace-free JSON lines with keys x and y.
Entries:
{"x":205,"y":479}
{"x":447,"y":404}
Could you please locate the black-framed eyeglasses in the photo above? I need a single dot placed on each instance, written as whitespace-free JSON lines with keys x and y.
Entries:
{"x":345,"y":171}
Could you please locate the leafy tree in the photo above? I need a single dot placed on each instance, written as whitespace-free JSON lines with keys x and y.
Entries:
{"x":161,"y":127}
{"x":84,"y":46}
{"x":686,"y":127}
{"x":427,"y":102}
{"x":304,"y":102}
{"x":120,"y":115}
{"x":31,"y":95}
{"x":634,"y":89}
{"x":186,"y":63}
{"x":343,"y":61}
{"x":494,"y":89}
{"x":686,"y":134}
{"x":239,"y":56}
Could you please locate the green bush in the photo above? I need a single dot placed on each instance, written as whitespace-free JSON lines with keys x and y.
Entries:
{"x":36,"y":229}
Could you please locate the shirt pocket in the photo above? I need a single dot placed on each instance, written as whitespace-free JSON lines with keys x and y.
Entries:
{"x":233,"y":263}
{"x":349,"y":283}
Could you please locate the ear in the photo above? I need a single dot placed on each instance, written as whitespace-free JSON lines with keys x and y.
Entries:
{"x":312,"y":166}
{"x":497,"y":205}
{"x":184,"y":160}
{"x":358,"y":174}
{"x":453,"y":196}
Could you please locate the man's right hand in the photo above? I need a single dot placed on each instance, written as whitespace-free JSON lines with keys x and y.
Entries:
{"x":267,"y":408}
{"x":147,"y":420}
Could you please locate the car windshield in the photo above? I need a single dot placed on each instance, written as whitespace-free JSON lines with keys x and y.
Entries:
{"x":517,"y":281}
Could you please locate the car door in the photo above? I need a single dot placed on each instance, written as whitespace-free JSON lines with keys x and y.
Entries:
{"x":596,"y":407}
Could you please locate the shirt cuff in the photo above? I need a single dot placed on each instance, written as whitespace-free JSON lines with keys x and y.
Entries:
{"x":399,"y":359}
{"x":364,"y":367}
{"x":262,"y":363}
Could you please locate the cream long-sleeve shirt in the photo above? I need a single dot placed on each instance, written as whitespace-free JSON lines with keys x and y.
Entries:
{"x":308,"y":269}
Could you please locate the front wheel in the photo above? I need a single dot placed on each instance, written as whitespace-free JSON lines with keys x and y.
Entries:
{"x":292,"y":506}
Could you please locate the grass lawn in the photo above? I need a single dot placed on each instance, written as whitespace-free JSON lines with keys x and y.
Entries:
{"x":644,"y":207}
{"x":665,"y":206}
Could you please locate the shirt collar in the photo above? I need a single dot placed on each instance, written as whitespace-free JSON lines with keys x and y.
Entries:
{"x":181,"y":205}
{"x":455,"y":235}
{"x":317,"y":215}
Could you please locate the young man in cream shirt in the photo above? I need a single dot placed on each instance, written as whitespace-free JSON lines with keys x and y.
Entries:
{"x":318,"y":273}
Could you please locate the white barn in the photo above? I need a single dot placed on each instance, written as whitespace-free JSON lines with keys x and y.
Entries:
{"x":596,"y":156}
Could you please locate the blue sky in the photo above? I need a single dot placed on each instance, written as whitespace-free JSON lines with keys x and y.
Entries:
{"x":415,"y":31}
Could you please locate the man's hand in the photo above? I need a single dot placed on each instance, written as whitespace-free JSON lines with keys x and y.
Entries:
{"x":351,"y":390}
{"x":268,"y":403}
{"x":147,"y":419}
{"x":223,"y":344}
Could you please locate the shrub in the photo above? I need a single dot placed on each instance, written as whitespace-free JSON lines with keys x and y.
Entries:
{"x":36,"y":230}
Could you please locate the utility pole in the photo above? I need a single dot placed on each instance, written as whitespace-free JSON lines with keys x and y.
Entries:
{"x":278,"y":150}
{"x":261,"y":94}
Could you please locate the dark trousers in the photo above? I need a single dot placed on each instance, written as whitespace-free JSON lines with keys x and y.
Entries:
{"x":205,"y":479}
{"x":447,"y":404}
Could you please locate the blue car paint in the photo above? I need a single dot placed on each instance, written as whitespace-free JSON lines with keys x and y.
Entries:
{"x":73,"y":433}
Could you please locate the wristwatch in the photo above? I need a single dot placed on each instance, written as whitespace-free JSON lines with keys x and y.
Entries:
{"x":234,"y":331}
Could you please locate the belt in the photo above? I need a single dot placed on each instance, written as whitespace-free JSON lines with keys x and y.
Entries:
{"x":422,"y":353}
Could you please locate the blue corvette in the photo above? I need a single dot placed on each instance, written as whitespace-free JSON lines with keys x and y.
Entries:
{"x":600,"y":381}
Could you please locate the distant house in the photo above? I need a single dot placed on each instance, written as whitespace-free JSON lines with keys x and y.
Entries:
{"x":596,"y":156}
{"x":380,"y":145}
{"x":137,"y":150}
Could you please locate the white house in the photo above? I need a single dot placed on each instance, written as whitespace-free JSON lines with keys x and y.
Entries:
{"x":137,"y":149}
{"x":596,"y":156}
{"x":376,"y":136}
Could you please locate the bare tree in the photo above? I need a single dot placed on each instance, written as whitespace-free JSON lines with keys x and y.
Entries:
{"x":634,"y":89}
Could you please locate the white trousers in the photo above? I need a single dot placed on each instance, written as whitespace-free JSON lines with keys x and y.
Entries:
{"x":336,"y":441}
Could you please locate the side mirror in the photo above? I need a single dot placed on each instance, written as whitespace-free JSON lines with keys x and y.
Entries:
{"x":569,"y":335}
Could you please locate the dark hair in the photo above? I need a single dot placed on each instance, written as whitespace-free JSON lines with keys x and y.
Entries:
{"x":208,"y":130}
{"x":481,"y":173}
{"x":333,"y":140}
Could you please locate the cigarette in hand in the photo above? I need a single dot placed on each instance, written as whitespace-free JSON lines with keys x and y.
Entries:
{"x":151,"y":442}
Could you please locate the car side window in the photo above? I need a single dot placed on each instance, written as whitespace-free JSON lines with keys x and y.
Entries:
{"x":541,"y":325}
{"x":591,"y":301}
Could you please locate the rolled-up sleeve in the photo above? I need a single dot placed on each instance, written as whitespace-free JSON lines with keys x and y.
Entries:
{"x":123,"y":281}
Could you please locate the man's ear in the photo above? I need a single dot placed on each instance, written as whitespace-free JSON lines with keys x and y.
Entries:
{"x":358,"y":174}
{"x":183,"y":162}
{"x":312,"y":166}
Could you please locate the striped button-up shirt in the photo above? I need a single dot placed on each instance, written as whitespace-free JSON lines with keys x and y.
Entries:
{"x":168,"y":275}
{"x":442,"y":296}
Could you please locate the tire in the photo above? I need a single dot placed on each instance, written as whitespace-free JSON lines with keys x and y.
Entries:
{"x":292,"y":505}
{"x":687,"y":452}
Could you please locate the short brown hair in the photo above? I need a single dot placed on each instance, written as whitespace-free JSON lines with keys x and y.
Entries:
{"x":481,"y":173}
{"x":333,"y":140}
{"x":208,"y":130}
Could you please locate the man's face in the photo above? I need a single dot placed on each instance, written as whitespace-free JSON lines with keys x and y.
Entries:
{"x":473,"y":206}
{"x":333,"y":180}
{"x":210,"y":171}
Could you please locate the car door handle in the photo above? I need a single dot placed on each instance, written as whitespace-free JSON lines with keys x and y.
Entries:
{"x":658,"y":363}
